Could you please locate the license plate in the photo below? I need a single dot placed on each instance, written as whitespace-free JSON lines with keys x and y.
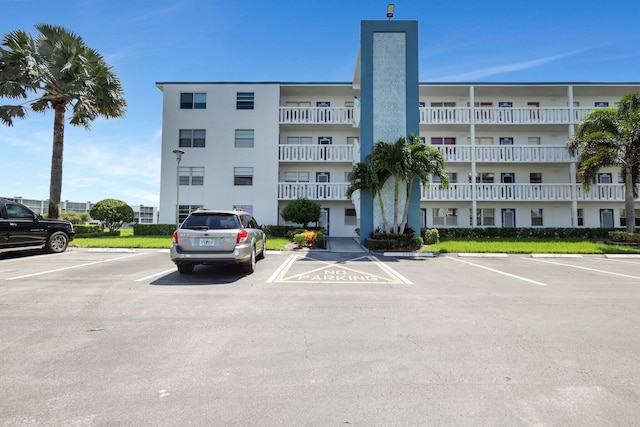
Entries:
{"x":209,"y":242}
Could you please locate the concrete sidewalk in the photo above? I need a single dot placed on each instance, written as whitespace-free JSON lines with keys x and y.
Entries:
{"x":343,"y":244}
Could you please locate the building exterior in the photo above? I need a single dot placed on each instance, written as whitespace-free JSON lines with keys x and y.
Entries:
{"x":258,"y":145}
{"x":141,"y":214}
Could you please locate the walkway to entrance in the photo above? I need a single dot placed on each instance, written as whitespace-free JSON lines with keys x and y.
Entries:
{"x":343,"y":244}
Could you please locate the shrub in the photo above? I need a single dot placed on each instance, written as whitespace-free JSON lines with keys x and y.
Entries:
{"x":112,"y":213}
{"x":153,"y":229}
{"x":279,"y":230}
{"x":310,"y":239}
{"x":520,"y":233}
{"x":430,"y":236}
{"x":301,"y":211}
{"x":623,"y":236}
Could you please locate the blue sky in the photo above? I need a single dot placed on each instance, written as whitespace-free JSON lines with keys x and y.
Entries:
{"x":148,"y":41}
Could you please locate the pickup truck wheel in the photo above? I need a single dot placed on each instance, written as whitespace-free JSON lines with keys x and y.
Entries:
{"x":250,"y":266}
{"x":57,"y":242}
{"x":185,"y":268}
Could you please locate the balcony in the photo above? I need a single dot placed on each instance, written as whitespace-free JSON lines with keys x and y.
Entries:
{"x":315,"y":153}
{"x":312,"y":191}
{"x":524,"y":193}
{"x":505,"y":153}
{"x":511,"y":115}
{"x":316,"y":115}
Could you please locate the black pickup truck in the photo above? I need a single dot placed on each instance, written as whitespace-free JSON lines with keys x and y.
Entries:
{"x":23,"y":229}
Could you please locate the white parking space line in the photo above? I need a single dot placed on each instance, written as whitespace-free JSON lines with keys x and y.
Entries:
{"x":72,"y":267}
{"x":585,"y":268}
{"x":284,"y":265}
{"x":142,"y":279}
{"x":524,"y":279}
{"x":392,"y":271}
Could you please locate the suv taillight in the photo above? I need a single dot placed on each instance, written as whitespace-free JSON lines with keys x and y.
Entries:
{"x":175,"y":237}
{"x":242,"y":236}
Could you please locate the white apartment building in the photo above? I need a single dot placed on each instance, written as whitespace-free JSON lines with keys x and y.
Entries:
{"x":256,"y":146}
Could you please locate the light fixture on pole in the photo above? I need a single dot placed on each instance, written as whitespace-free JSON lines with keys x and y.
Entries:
{"x":178,"y":154}
{"x":390,"y":10}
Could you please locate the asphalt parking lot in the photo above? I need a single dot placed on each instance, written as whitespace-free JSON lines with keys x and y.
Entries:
{"x":121,"y":338}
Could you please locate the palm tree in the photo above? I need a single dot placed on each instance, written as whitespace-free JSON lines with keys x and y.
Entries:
{"x":422,"y":161}
{"x":61,"y":73}
{"x":365,"y":178}
{"x":391,"y":158}
{"x":611,"y":138}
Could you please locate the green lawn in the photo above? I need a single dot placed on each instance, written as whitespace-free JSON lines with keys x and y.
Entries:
{"x":564,"y":246}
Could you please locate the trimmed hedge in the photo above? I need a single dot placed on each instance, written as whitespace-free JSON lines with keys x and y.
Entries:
{"x":394,"y":244}
{"x":153,"y":229}
{"x":87,"y":230}
{"x":519,"y":233}
{"x":623,"y":236}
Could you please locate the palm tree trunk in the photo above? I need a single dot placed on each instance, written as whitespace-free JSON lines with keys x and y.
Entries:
{"x":55,"y":185}
{"x":629,"y":203}
{"x":385,"y":225}
{"x":396,"y":202}
{"x":405,"y":215}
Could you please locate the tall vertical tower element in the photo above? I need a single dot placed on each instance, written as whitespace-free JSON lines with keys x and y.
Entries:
{"x":389,"y":105}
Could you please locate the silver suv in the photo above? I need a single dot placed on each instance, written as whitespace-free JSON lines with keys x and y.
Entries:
{"x":212,"y":237}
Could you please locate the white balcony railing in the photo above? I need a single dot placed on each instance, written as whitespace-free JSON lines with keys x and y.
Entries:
{"x":511,"y":115}
{"x":506,"y":153}
{"x":524,"y":192}
{"x":315,"y":153}
{"x":438,"y":115}
{"x":313,"y":191}
{"x":313,"y":115}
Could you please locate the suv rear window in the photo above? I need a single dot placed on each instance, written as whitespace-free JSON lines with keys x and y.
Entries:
{"x":211,"y":221}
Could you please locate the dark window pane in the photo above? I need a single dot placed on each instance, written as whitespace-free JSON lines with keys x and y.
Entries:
{"x":186,"y":100}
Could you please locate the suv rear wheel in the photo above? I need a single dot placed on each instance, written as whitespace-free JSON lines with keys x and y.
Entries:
{"x":250,"y":266}
{"x":185,"y":268}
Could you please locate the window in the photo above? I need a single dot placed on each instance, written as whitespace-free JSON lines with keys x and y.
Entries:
{"x":185,"y":210}
{"x":299,"y":140}
{"x":600,"y":104}
{"x":623,"y":217}
{"x":191,"y":176}
{"x":297,"y":176}
{"x":244,"y":100}
{"x":244,"y":138}
{"x":325,"y":140}
{"x":505,"y":104}
{"x":535,"y":177}
{"x":580,"y":216}
{"x":484,"y":140}
{"x":453,"y":178}
{"x":484,"y":177}
{"x":484,"y":216}
{"x":438,"y":140}
{"x":605,"y":178}
{"x":536,"y":217}
{"x":443,"y":104}
{"x":445,"y":216}
{"x":350,"y":217}
{"x":533,"y":140}
{"x":192,"y":138}
{"x":242,"y":176}
{"x":18,"y":212}
{"x":193,"y":101}
{"x":506,"y":140}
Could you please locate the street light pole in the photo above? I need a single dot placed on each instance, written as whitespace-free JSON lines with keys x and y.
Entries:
{"x":178,"y":154}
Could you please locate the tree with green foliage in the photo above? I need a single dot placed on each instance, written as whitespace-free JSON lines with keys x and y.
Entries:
{"x":56,"y":70}
{"x":112,"y":213}
{"x":76,"y":218}
{"x":365,"y":178}
{"x":610,"y":137}
{"x":404,"y":162}
{"x":301,"y":211}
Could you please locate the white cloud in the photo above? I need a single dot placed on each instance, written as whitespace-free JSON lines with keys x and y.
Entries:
{"x":501,"y":69}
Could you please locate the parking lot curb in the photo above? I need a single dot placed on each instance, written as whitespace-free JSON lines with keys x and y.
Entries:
{"x":556,"y":256}
{"x":482,"y":255}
